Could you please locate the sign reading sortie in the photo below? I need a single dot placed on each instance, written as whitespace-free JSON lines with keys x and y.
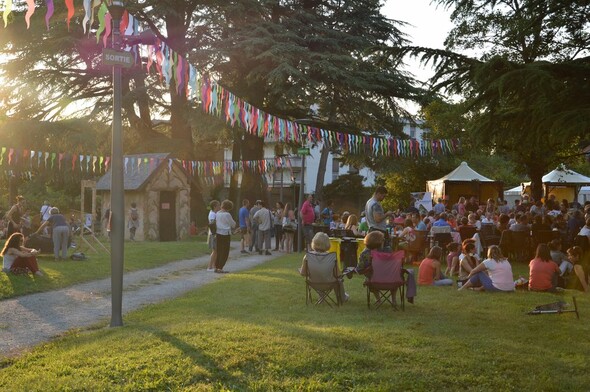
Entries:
{"x":113,"y":57}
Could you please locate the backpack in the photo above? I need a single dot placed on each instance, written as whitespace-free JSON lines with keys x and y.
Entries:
{"x":134,"y":214}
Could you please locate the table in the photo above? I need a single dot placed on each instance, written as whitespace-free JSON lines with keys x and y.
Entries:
{"x":346,"y":260}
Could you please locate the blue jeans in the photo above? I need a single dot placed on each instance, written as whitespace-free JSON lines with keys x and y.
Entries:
{"x":482,"y":279}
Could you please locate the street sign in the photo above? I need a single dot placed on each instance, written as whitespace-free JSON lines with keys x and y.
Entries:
{"x":114,"y":57}
{"x":303,"y":151}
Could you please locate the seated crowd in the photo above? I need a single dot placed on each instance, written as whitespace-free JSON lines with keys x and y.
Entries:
{"x":557,"y":261}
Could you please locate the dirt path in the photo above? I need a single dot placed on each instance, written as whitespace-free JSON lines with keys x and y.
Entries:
{"x":32,"y":319}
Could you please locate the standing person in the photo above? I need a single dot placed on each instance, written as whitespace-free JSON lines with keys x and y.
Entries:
{"x":328,"y":213}
{"x":225,"y":223}
{"x":133,"y":221}
{"x":244,"y":222}
{"x":108,"y":215}
{"x":499,"y":273}
{"x":15,"y":215}
{"x":289,"y":227}
{"x":45,"y":213}
{"x":376,"y":217}
{"x":212,"y":238}
{"x":16,"y":258}
{"x":278,"y":224}
{"x":254,"y":227}
{"x":307,"y":219}
{"x":60,"y":232}
{"x":263,"y":217}
{"x":461,"y":207}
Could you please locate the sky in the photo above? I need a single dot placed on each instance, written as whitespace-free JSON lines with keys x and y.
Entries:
{"x":428,"y":26}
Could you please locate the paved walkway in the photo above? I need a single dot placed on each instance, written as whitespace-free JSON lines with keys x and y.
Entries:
{"x":33,"y":319}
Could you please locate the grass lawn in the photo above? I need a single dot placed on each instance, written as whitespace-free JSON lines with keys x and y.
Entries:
{"x":59,"y":274}
{"x":253,"y":331}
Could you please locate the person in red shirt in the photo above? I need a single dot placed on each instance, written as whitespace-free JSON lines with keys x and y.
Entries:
{"x":543,"y":271}
{"x":429,"y":273}
{"x":307,"y":219}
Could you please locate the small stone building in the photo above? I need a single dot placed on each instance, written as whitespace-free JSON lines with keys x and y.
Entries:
{"x":160,"y":188}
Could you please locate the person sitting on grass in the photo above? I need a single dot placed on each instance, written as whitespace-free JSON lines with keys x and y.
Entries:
{"x":581,"y":269}
{"x":18,"y":259}
{"x":560,"y":258}
{"x":320,"y":245}
{"x":429,"y":273}
{"x":453,"y":258}
{"x":493,"y":274}
{"x":468,"y":259}
{"x":373,"y":241}
{"x":543,"y":271}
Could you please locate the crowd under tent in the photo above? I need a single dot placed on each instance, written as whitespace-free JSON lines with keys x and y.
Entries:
{"x":466,"y":182}
{"x":561,"y":182}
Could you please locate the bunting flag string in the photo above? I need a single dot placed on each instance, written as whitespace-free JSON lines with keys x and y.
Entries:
{"x":174,"y":70}
{"x":97,"y":165}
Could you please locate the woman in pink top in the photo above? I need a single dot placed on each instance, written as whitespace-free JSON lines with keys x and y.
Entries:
{"x":493,"y":274}
{"x":543,"y":271}
{"x":429,"y":272}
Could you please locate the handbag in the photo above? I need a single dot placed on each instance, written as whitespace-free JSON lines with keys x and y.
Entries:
{"x":213,"y":227}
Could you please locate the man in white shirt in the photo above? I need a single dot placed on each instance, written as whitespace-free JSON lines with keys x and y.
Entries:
{"x":264,"y":219}
{"x":45,"y":213}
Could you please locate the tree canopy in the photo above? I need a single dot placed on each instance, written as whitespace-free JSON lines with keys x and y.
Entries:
{"x":526,"y":93}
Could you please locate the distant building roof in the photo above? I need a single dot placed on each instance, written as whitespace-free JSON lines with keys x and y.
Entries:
{"x":138,"y":169}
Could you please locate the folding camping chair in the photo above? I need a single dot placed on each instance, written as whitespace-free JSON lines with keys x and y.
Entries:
{"x":322,"y":278}
{"x":387,"y":279}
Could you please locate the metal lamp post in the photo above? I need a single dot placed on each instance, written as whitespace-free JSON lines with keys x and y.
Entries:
{"x":116,"y":9}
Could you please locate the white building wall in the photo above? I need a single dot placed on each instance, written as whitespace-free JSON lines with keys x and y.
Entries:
{"x":312,"y":163}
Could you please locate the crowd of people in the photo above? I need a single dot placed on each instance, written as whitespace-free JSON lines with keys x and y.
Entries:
{"x":556,"y":264}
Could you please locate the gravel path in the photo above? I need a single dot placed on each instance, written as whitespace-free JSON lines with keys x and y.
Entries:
{"x":33,"y":319}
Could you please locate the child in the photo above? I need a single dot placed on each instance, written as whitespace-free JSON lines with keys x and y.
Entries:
{"x":453,"y":259}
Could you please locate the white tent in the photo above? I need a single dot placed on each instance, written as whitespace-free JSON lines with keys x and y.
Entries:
{"x":562,"y":175}
{"x":513,"y":194}
{"x":464,"y":181}
{"x":561,"y":182}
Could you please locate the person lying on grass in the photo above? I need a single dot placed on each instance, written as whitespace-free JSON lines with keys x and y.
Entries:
{"x":581,"y":269}
{"x":493,"y":274}
{"x":320,"y":245}
{"x":18,"y":259}
{"x":429,"y":272}
{"x":543,"y":271}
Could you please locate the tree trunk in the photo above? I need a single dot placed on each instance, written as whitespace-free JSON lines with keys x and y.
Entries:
{"x":179,"y":108}
{"x":319,"y":184}
{"x":535,"y":173}
{"x":252,"y":185}
{"x":234,"y":189}
{"x":142,"y":123}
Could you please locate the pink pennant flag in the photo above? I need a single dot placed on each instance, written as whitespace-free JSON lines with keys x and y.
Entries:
{"x":30,"y":12}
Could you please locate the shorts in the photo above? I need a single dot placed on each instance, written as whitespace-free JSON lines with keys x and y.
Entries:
{"x":211,"y":241}
{"x":308,"y":233}
{"x":243,"y":232}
